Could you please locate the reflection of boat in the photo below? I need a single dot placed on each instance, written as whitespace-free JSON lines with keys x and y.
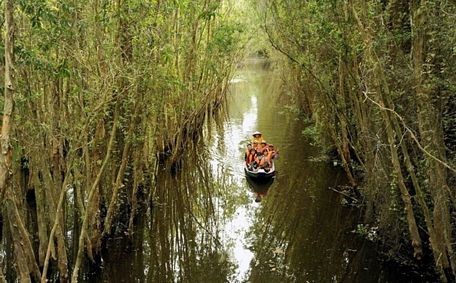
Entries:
{"x":260,"y":174}
{"x":259,"y":186}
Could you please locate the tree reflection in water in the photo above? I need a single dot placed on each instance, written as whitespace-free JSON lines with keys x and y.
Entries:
{"x":178,"y":239}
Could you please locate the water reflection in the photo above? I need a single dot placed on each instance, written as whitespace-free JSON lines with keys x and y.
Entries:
{"x":259,"y":187}
{"x":179,"y":239}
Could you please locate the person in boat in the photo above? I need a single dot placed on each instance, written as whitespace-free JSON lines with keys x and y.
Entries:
{"x":263,"y":153}
{"x":255,"y":145}
{"x":262,"y":156}
{"x":269,"y":152}
{"x":247,"y":151}
{"x":251,"y":159}
{"x":258,"y":146}
{"x":264,"y":148}
{"x":272,"y":152}
{"x":257,"y":137}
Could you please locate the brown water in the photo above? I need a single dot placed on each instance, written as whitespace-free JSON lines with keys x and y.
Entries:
{"x":206,"y":227}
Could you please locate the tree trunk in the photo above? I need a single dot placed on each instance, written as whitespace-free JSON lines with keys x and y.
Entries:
{"x":93,"y":188}
{"x":5,"y":146}
{"x":428,"y":97}
{"x":23,"y":250}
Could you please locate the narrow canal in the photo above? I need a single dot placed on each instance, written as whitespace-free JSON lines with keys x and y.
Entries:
{"x":205,"y":225}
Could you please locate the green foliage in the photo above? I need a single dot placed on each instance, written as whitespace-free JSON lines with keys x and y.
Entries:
{"x":210,"y":12}
{"x":225,"y":39}
{"x":312,"y":133}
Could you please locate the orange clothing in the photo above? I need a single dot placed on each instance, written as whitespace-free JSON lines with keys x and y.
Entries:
{"x":257,"y":139}
{"x":251,"y":157}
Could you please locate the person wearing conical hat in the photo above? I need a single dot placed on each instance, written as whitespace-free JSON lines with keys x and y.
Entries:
{"x":257,"y":138}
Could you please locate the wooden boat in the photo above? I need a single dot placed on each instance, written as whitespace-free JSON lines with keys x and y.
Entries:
{"x":260,"y":173}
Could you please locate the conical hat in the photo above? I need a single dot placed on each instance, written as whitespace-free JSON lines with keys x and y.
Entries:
{"x":256,"y":133}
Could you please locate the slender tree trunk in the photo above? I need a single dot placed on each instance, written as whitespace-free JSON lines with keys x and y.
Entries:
{"x":343,"y":147}
{"x":57,"y":171}
{"x":23,"y":249}
{"x":137,"y":168}
{"x":57,"y":222}
{"x":41,"y":216}
{"x":5,"y":146}
{"x":85,"y":222}
{"x":112,"y":208}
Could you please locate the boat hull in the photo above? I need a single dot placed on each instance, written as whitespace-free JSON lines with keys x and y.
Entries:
{"x":260,"y":174}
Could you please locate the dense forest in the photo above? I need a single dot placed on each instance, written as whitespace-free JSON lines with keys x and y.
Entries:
{"x":378,"y":79}
{"x":99,"y":95}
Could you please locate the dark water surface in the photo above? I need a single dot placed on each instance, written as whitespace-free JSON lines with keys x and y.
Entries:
{"x":205,"y":225}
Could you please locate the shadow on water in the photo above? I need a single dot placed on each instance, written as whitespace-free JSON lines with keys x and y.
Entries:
{"x":205,"y":224}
